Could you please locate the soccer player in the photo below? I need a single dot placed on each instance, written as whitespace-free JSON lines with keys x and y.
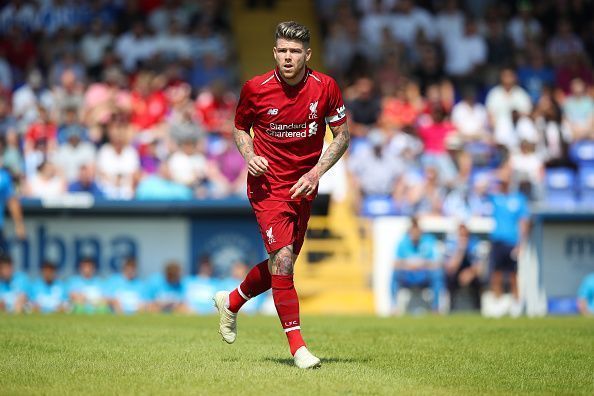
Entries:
{"x":287,"y":109}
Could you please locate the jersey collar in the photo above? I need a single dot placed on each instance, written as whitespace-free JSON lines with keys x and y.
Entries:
{"x":296,"y":86}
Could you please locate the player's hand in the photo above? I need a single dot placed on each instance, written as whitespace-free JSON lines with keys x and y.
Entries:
{"x":19,"y":230}
{"x":257,"y":166}
{"x":306,"y":184}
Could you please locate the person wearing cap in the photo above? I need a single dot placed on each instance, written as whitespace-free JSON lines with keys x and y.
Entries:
{"x":14,"y":286}
{"x":48,"y":293}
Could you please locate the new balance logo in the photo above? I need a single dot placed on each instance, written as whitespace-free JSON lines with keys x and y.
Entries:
{"x":270,"y":236}
{"x":272,"y":111}
{"x":313,"y":128}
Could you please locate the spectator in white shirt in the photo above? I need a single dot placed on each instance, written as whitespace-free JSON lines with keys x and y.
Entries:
{"x":465,"y":54}
{"x":528,"y":167}
{"x":449,"y":22}
{"x":172,"y":44}
{"x":27,"y":98}
{"x":373,"y":23}
{"x":74,"y":154}
{"x":409,"y":21}
{"x":46,"y":183}
{"x":189,"y":166}
{"x":470,"y":117}
{"x":554,"y":133}
{"x":118,"y":166}
{"x":505,"y":98}
{"x":520,"y":127}
{"x":135,"y":46}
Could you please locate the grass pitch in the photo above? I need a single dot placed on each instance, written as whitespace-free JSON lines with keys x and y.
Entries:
{"x":360,"y":355}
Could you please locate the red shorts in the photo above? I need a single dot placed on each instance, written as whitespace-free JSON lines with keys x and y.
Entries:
{"x":282,"y":223}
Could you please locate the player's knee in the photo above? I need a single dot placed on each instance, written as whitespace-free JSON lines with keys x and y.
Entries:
{"x":282,"y":262}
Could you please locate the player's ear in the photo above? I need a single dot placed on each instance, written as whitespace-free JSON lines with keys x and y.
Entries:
{"x":307,"y":54}
{"x":274,"y":52}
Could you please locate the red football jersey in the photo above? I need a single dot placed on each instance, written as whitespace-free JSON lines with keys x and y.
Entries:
{"x":289,"y":123}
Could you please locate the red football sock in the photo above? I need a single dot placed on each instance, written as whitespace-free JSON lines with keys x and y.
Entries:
{"x":287,"y":307}
{"x":256,"y":282}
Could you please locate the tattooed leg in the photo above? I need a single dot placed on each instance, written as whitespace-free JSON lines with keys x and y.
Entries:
{"x":281,"y":261}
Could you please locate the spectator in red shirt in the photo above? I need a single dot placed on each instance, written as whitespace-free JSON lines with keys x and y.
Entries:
{"x":215,"y":107}
{"x":402,"y":110}
{"x":44,"y":129}
{"x":149,"y":103}
{"x":433,"y":130}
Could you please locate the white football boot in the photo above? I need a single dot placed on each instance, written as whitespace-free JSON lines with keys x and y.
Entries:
{"x":305,"y":360}
{"x":228,"y":319}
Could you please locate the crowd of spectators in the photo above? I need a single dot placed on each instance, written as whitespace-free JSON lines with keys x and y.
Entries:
{"x":119,"y":99}
{"x":442,"y":95}
{"x":135,"y":99}
{"x":123,"y":293}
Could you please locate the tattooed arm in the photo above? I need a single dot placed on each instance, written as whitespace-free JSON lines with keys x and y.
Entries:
{"x":308,"y":182}
{"x":256,"y":165}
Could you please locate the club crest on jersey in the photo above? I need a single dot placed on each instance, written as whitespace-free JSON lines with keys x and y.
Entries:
{"x":272,"y":112}
{"x":313,"y":110}
{"x":269,"y":235}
